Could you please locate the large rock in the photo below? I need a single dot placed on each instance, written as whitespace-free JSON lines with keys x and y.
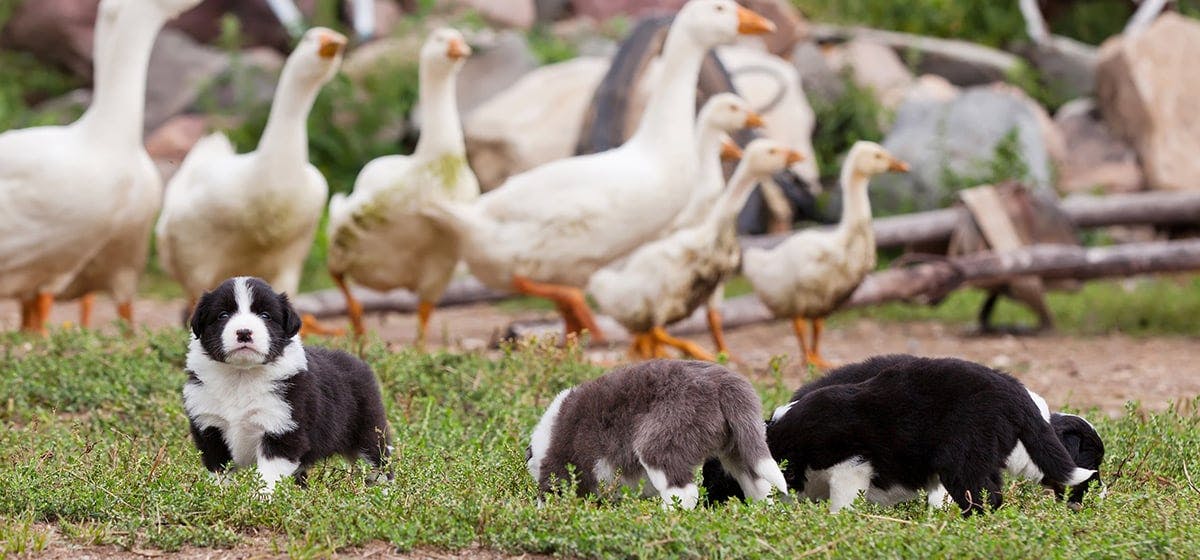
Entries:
{"x":520,"y":14}
{"x":821,"y":82}
{"x":1068,"y":65}
{"x":1146,"y":87}
{"x":605,"y":9}
{"x":180,"y":69}
{"x":961,"y":62}
{"x":499,"y":60}
{"x":187,"y":76}
{"x":949,"y":140}
{"x":56,"y":31}
{"x":873,"y":66}
{"x":171,"y":142}
{"x":1096,"y":158}
{"x":535,"y":121}
{"x":790,"y":27}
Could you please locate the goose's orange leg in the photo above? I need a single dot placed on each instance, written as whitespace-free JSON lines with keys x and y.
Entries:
{"x":309,"y":325}
{"x":815,"y":358}
{"x":424,"y":312}
{"x":41,"y":313}
{"x":688,"y":347}
{"x":642,"y":347}
{"x":716,"y":328}
{"x":570,"y":301}
{"x":86,"y":304}
{"x":27,"y":314}
{"x":353,"y":308}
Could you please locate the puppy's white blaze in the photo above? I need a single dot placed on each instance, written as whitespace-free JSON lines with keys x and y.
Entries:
{"x":273,"y":470}
{"x":245,"y":319}
{"x":1078,"y":476}
{"x":847,"y":480}
{"x":781,"y":410}
{"x":1041,"y":404}
{"x":539,"y":442}
{"x":604,"y":472}
{"x":1019,"y":463}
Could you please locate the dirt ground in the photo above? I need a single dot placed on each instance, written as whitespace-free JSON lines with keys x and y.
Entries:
{"x":252,"y":548}
{"x":1081,"y":372}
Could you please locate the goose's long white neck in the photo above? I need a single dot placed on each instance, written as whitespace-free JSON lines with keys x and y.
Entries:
{"x":856,"y":204}
{"x":709,"y":152}
{"x":730,"y":203}
{"x":668,"y":125}
{"x":441,"y":128}
{"x":122,"y":51}
{"x":284,"y":142}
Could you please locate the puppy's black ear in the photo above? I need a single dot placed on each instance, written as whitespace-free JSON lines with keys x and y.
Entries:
{"x":291,"y":320}
{"x":201,"y":314}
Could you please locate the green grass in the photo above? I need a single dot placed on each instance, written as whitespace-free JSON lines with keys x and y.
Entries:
{"x":94,"y":443}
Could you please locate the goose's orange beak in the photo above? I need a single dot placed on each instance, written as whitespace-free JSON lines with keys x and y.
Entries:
{"x":330,"y":46}
{"x":755,"y":120}
{"x":750,"y":23}
{"x":730,"y":151}
{"x":794,"y":157}
{"x":458,"y":49}
{"x":898,"y":166}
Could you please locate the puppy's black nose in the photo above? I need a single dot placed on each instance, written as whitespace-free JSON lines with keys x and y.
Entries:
{"x":243,"y":335}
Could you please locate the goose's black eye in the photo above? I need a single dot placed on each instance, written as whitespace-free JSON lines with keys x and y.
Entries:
{"x":720,"y":8}
{"x":264,"y":316}
{"x":224,"y":315}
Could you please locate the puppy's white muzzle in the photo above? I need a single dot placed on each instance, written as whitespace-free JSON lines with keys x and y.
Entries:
{"x":245,"y":340}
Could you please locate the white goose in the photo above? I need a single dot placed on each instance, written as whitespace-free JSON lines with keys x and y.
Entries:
{"x":377,"y":237}
{"x":666,"y":280}
{"x":61,"y":186}
{"x":117,"y":268}
{"x":228,"y":214}
{"x":811,"y":273}
{"x":721,"y":114}
{"x":544,"y":232}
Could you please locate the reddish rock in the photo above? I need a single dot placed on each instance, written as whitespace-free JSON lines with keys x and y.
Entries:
{"x":519,"y":14}
{"x":790,"y":27}
{"x":1096,"y":159}
{"x":606,"y":9}
{"x":56,"y":31}
{"x":169,"y":143}
{"x":1147,"y":88}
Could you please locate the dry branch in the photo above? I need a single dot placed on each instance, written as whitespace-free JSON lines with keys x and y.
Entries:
{"x":929,"y":281}
{"x":1150,"y":208}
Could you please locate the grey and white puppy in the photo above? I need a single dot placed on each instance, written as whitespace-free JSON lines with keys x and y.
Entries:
{"x":656,"y":421}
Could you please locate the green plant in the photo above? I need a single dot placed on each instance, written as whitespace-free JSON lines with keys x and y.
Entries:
{"x":1006,"y":164}
{"x":855,"y":115}
{"x":550,"y":48}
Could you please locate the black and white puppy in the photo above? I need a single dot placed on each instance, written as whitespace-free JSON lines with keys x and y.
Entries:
{"x":893,"y":425}
{"x":655,"y":421}
{"x":256,"y":397}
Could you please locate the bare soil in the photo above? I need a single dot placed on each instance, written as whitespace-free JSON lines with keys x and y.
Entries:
{"x":1081,"y":372}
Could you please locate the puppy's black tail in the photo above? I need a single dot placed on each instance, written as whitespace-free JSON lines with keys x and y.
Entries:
{"x":1040,"y":456}
{"x":748,"y":459}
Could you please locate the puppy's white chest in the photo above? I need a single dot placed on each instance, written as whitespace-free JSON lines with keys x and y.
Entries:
{"x":243,"y":409}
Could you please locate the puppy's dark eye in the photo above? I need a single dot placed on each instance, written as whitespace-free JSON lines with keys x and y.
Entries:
{"x":528,"y":453}
{"x":224,"y":315}
{"x":265,"y":316}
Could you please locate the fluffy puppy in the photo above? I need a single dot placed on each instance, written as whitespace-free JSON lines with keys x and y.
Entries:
{"x":658,"y":421}
{"x":1086,"y":448}
{"x":894,"y":425}
{"x":256,"y":397}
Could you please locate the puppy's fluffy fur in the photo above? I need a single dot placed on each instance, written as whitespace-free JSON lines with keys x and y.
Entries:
{"x":256,"y":397}
{"x":893,"y":425}
{"x":658,"y":421}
